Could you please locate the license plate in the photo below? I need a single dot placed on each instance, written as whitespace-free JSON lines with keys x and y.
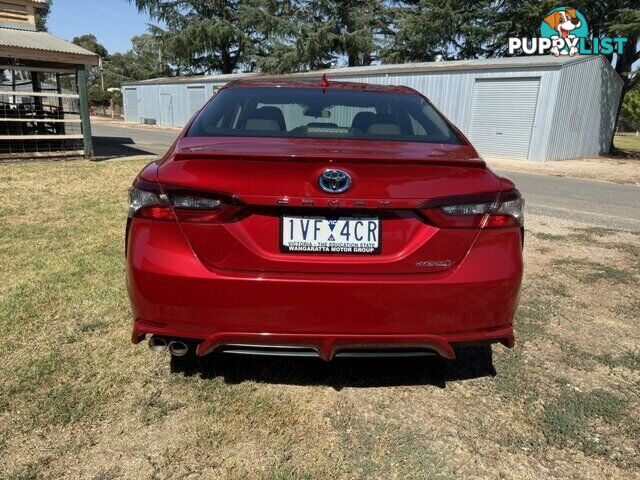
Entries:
{"x":320,"y":234}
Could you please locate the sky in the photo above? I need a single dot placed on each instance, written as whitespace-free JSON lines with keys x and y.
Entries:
{"x":113,"y":22}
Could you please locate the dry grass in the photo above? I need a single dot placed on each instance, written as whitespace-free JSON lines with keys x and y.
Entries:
{"x":78,"y":401}
{"x":628,"y":142}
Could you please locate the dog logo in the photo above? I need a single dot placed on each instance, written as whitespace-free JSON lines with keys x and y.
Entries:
{"x":564,"y":31}
{"x":564,"y":26}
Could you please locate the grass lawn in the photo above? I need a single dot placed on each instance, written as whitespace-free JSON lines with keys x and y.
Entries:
{"x":78,"y":401}
{"x":628,"y":142}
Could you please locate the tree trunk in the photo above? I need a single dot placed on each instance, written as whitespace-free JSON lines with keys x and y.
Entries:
{"x":359,"y":60}
{"x":623,"y":92}
{"x":227,"y":60}
{"x":624,"y":63}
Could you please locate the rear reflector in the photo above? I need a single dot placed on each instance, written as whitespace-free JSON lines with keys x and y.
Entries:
{"x":493,"y":210}
{"x":155,"y":213}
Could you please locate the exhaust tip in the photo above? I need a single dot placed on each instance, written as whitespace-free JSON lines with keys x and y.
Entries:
{"x":178,"y":348}
{"x":157,"y":344}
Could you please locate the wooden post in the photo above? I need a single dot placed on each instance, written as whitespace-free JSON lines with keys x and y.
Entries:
{"x":81,"y":80}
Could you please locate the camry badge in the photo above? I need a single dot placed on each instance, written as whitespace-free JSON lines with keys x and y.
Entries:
{"x":334,"y":181}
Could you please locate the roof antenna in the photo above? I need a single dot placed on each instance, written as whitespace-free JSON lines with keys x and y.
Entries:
{"x":324,"y":83}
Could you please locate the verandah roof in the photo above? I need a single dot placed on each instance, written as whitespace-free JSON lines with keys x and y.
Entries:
{"x":42,"y":46}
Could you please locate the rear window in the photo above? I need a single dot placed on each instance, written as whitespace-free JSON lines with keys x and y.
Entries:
{"x":312,"y":113}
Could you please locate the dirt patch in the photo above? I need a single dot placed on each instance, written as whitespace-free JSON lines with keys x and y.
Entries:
{"x":623,"y":171}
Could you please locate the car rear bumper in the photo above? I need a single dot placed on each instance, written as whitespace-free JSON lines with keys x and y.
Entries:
{"x":327,"y":346}
{"x":174,"y":295}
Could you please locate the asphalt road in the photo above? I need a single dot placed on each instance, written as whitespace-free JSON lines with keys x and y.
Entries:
{"x":598,"y":203}
{"x":117,"y":139}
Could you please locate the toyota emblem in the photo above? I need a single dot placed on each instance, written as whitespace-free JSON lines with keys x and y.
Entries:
{"x":334,"y":181}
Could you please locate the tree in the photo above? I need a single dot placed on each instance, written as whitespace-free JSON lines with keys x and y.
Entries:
{"x":424,"y":29}
{"x":295,"y":35}
{"x":622,"y":20}
{"x":42,"y":13}
{"x":201,"y":36}
{"x":276,"y":28}
{"x":94,"y":77}
{"x":148,"y":60}
{"x":630,"y":111}
{"x":99,"y":97}
{"x":90,"y":42}
{"x":144,"y":60}
{"x":356,"y":27}
{"x":97,"y":81}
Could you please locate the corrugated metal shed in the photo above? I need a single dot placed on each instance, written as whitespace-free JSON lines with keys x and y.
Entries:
{"x":570,"y":112}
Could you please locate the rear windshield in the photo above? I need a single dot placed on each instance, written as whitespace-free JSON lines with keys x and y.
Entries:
{"x":312,"y":113}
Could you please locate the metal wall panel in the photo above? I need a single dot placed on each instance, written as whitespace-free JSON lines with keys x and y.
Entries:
{"x":452,"y":94}
{"x":154,"y":103}
{"x":503,"y":112}
{"x":166,"y":109}
{"x":196,"y":97}
{"x":149,"y":104}
{"x":585,"y":107}
{"x":130,"y":104}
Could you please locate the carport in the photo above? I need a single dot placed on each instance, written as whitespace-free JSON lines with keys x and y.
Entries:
{"x":44,"y":108}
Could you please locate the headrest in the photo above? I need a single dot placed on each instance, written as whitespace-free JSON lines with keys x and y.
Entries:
{"x":384,"y":129}
{"x":268,"y":116}
{"x":262,"y":124}
{"x":363,"y":120}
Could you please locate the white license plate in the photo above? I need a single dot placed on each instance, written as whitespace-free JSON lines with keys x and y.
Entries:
{"x":350,"y":235}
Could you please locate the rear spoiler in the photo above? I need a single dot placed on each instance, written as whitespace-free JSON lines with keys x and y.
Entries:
{"x":202,"y":153}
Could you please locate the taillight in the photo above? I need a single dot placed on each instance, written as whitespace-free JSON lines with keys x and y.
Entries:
{"x":191,"y":208}
{"x":151,"y":201}
{"x":495,"y":210}
{"x":147,"y":204}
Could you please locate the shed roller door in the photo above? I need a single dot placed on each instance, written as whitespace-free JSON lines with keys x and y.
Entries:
{"x":502,"y":116}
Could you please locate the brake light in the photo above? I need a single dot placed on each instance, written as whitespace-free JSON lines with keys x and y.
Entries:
{"x":190,"y":208}
{"x":148,"y":204}
{"x":152,"y":201}
{"x":495,"y":210}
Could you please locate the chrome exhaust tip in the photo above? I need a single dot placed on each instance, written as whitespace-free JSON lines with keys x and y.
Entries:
{"x":178,"y":348}
{"x":157,"y":344}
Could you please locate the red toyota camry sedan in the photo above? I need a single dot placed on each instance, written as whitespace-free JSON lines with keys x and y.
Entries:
{"x":322,"y":219}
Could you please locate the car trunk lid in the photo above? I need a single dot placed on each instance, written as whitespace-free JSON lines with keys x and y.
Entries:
{"x":273,"y":178}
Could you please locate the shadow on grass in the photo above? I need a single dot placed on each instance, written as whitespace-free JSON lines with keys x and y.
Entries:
{"x":472,"y":362}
